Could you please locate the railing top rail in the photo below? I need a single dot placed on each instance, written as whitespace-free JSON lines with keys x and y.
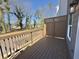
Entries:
{"x":8,"y":35}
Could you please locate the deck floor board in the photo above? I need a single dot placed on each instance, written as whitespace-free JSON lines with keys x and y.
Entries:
{"x":47,"y":48}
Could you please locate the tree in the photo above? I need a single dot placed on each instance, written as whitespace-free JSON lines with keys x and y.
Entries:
{"x":28,"y":21}
{"x":19,"y":13}
{"x":50,"y":5}
{"x":39,"y":16}
{"x":34,"y":23}
{"x":29,"y":15}
{"x":2,"y":23}
{"x":8,"y":13}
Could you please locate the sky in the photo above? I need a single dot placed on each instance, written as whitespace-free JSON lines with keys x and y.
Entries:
{"x":32,"y":5}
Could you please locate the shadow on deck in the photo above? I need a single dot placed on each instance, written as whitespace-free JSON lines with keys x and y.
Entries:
{"x":46,"y":48}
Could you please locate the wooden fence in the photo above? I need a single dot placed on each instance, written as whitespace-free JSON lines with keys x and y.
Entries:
{"x":14,"y":42}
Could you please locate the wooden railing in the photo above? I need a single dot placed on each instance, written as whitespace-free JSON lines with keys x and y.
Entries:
{"x":14,"y":42}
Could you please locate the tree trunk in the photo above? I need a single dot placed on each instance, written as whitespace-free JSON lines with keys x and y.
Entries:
{"x":21,"y":25}
{"x":9,"y":25}
{"x":3,"y":28}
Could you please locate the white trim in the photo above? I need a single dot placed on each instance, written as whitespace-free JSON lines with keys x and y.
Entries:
{"x":68,"y":33}
{"x":68,"y":30}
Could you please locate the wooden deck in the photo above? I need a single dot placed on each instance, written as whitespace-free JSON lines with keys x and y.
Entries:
{"x":47,"y":48}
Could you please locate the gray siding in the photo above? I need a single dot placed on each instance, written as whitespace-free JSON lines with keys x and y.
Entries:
{"x":76,"y":50}
{"x":71,"y":44}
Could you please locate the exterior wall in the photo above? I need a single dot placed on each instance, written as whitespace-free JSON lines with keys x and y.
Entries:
{"x":71,"y":44}
{"x":62,"y":7}
{"x":76,"y":50}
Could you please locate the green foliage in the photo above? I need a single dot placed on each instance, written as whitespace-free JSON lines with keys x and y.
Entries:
{"x":6,"y":1}
{"x":0,"y":1}
{"x":2,"y":24}
{"x":28,"y":22}
{"x":50,"y":5}
{"x":8,"y":14}
{"x":34,"y":23}
{"x":39,"y":16}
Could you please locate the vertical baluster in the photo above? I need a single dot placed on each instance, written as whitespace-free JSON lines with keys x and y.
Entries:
{"x":1,"y":52}
{"x":19,"y":41}
{"x":16,"y":43}
{"x":26,"y":38}
{"x":42,"y":32}
{"x":31,"y":38}
{"x":35,"y":35}
{"x":5,"y":47}
{"x":23,"y":40}
{"x":38,"y":34}
{"x":17,"y":38}
{"x":9,"y":46}
{"x":13,"y":44}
